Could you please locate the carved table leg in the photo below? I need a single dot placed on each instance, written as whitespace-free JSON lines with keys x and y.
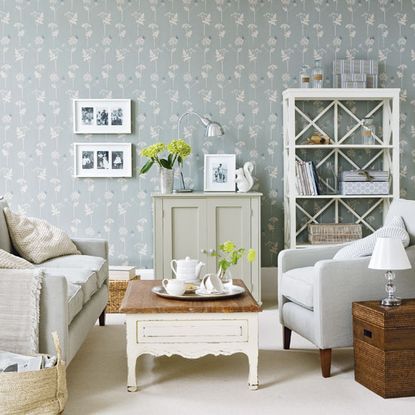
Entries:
{"x":253,"y":370}
{"x":132,"y":380}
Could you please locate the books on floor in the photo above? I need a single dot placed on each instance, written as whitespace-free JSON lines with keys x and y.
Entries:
{"x":306,"y":178}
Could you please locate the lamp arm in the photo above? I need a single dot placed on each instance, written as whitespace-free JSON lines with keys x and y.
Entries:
{"x":204,"y":121}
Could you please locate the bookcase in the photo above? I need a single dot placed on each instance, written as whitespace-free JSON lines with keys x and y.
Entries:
{"x":338,"y":114}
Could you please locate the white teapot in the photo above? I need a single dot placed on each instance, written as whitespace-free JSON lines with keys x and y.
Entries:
{"x":187,"y":269}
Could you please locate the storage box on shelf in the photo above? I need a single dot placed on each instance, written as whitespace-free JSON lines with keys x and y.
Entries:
{"x":335,"y":201}
{"x":333,"y":233}
{"x":355,"y":73}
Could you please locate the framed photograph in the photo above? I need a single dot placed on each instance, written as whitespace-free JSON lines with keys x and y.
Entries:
{"x":102,"y":160}
{"x":102,"y":116}
{"x":219,"y":173}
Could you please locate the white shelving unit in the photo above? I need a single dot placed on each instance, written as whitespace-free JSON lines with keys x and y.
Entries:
{"x":337,"y":101}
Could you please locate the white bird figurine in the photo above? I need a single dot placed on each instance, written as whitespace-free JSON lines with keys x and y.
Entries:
{"x":244,"y":180}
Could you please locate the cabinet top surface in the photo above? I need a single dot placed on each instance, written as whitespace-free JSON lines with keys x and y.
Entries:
{"x":339,"y":93}
{"x":388,"y":317}
{"x":139,"y":299}
{"x":207,"y":194}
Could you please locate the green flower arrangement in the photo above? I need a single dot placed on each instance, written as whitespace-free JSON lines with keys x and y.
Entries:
{"x":178,"y":151}
{"x":229,"y":255}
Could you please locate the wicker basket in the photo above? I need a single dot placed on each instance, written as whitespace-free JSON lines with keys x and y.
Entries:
{"x":333,"y":233}
{"x":117,"y":290}
{"x":39,"y":392}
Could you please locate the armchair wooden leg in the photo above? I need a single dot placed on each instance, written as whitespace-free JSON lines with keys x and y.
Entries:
{"x":325,"y":362}
{"x":286,"y":337}
{"x":102,"y":317}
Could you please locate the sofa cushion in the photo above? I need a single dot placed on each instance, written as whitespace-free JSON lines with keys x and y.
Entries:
{"x":297,"y":285}
{"x":405,"y":209}
{"x":10,"y":261}
{"x":364,"y":247}
{"x":37,"y":240}
{"x":85,"y":278}
{"x":93,"y":263}
{"x":5,"y":242}
{"x":75,"y":300}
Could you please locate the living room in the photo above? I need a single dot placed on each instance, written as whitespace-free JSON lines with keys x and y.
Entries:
{"x":207,"y":206}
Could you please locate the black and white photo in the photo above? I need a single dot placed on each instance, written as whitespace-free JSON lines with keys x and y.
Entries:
{"x":219,"y":172}
{"x":102,"y":159}
{"x":102,"y":116}
{"x":117,"y":159}
{"x":88,"y":160}
{"x":116,"y":116}
{"x":87,"y":115}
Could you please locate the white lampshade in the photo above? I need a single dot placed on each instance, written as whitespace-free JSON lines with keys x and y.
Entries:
{"x":389,"y":254}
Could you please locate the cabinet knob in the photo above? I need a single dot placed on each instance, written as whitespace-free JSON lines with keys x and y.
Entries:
{"x":203,"y":251}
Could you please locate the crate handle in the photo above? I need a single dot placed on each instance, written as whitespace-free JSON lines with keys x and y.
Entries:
{"x":367,"y":333}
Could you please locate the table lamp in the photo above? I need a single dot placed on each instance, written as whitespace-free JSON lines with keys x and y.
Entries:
{"x":212,"y":129}
{"x":389,"y":255}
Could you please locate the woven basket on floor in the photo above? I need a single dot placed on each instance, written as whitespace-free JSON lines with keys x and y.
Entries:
{"x":333,"y":233}
{"x":116,"y":294}
{"x":39,"y":392}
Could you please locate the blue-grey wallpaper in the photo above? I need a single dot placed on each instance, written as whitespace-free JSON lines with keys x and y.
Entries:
{"x":228,"y":59}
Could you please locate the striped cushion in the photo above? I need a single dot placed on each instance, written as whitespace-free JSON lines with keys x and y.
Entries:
{"x":37,"y":240}
{"x":365,"y":246}
{"x":10,"y":261}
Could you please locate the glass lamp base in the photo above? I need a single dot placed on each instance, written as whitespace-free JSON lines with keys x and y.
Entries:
{"x":390,"y":302}
{"x":183,"y":190}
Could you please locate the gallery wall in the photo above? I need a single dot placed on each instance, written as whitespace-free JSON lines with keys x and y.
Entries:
{"x":229,"y":60}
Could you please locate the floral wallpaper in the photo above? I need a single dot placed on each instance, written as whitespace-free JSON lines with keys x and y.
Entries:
{"x":227,"y":59}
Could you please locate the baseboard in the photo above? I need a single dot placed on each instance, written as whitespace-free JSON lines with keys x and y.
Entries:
{"x":268,"y":280}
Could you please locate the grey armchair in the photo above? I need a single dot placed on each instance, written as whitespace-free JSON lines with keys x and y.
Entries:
{"x":315,"y":292}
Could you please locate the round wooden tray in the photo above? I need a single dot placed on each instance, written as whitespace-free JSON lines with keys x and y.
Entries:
{"x":233,"y":292}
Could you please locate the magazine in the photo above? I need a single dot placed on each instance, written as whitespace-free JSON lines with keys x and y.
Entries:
{"x":13,"y":362}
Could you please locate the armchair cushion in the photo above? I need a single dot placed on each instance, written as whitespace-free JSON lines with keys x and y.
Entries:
{"x":364,"y":247}
{"x":97,"y":264}
{"x":297,"y":285}
{"x":37,"y":240}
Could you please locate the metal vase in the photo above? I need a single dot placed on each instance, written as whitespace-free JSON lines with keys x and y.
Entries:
{"x":166,"y":181}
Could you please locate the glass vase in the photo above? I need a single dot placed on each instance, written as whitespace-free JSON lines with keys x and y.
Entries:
{"x":226,"y":277}
{"x":166,"y":181}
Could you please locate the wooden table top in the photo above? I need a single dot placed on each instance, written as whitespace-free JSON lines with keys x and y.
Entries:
{"x":139,"y":299}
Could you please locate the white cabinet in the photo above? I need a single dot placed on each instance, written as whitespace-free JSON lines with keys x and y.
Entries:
{"x":196,"y":224}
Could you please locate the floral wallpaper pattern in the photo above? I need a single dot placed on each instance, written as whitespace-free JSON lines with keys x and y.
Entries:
{"x":228,"y":59}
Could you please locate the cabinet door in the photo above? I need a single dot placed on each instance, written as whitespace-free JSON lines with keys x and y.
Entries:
{"x":184,"y":231}
{"x":229,"y":219}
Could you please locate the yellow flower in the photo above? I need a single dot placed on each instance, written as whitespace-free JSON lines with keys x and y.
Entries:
{"x":179,"y":147}
{"x":153,"y":150}
{"x":228,"y":246}
{"x":251,"y":255}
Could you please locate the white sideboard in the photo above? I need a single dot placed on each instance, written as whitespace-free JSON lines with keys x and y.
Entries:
{"x":195,"y":224}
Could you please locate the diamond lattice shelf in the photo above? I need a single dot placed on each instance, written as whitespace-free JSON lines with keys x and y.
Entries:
{"x":337,"y":105}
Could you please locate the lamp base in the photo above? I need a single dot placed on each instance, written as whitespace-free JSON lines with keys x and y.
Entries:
{"x":391,"y":302}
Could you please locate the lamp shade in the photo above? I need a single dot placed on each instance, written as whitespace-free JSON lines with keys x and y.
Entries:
{"x":213,"y":129}
{"x":389,"y":254}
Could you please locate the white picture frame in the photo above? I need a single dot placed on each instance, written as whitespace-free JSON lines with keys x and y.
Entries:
{"x":219,"y":173}
{"x":102,"y":116}
{"x":102,"y":160}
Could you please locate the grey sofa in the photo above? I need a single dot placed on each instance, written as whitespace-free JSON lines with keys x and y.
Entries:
{"x":74,"y":292}
{"x":315,"y":292}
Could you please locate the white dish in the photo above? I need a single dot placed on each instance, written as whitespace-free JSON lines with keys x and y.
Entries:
{"x":230,"y":292}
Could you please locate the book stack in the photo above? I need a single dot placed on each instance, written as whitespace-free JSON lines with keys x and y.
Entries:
{"x":364,"y":182}
{"x":355,"y":73}
{"x":306,"y":179}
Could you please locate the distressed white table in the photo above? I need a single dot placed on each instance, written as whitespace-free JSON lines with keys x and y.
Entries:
{"x":192,"y":329}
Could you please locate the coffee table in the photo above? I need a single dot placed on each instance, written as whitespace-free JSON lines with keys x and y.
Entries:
{"x":192,"y":329}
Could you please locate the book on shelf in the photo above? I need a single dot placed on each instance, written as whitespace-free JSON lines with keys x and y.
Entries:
{"x":306,"y":179}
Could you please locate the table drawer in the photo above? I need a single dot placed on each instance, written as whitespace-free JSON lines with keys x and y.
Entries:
{"x":192,"y":331}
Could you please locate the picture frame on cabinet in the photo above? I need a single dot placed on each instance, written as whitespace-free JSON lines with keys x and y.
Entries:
{"x":102,"y":159}
{"x":219,"y":173}
{"x":102,"y":116}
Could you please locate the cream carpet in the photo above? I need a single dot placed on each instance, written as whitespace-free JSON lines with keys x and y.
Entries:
{"x":290,"y":381}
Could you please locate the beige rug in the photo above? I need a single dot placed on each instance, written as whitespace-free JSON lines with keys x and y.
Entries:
{"x":290,"y":381}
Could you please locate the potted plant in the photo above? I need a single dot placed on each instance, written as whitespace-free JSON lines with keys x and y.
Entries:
{"x":229,"y":254}
{"x":177,"y":151}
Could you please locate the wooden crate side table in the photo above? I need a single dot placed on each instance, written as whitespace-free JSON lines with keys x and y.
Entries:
{"x":384,"y":347}
{"x":191,"y":329}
